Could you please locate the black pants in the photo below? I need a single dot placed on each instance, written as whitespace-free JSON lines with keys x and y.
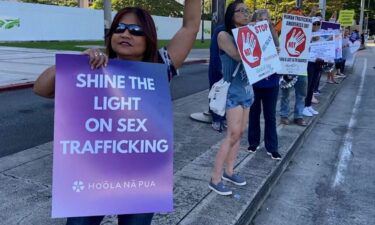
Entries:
{"x":313,"y":71}
{"x":268,"y":98}
{"x":317,"y":82}
{"x":340,"y":64}
{"x":130,"y":219}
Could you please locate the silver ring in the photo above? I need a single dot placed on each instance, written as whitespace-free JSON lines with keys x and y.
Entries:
{"x":95,"y":54}
{"x":101,"y":53}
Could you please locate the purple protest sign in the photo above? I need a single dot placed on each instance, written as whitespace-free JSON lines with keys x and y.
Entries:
{"x":330,"y":26}
{"x":113,"y":140}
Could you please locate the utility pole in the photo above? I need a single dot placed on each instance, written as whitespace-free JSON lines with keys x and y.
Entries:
{"x":299,"y":3}
{"x":322,"y":7}
{"x":107,"y":15}
{"x":202,"y":18}
{"x":83,"y":3}
{"x":218,"y":11}
{"x":361,"y":16}
{"x":368,"y":15}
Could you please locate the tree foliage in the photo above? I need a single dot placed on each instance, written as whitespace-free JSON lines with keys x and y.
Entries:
{"x":71,"y":3}
{"x":173,"y":8}
{"x":278,"y":7}
{"x":155,"y":7}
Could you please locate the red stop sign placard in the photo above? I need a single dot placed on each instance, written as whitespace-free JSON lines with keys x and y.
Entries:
{"x":249,"y":47}
{"x":295,"y":42}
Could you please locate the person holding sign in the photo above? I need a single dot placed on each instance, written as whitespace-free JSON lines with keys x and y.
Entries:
{"x":345,"y":52}
{"x":300,"y":83}
{"x":266,"y":92}
{"x":314,"y":68}
{"x":239,"y":99}
{"x":133,"y":37}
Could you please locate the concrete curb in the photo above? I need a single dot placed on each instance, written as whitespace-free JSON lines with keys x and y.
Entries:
{"x":273,"y":178}
{"x":16,"y":86}
{"x":275,"y":175}
{"x":197,"y":61}
{"x":261,"y":173}
{"x":258,"y":169}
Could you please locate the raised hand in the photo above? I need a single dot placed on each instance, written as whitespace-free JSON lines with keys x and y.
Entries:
{"x":249,"y":44}
{"x":295,"y":41}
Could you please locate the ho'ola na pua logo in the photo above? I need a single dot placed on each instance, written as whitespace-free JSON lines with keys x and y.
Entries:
{"x":78,"y":186}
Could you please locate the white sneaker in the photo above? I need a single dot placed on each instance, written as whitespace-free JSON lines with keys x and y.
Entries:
{"x":306,"y":112}
{"x":313,"y":111}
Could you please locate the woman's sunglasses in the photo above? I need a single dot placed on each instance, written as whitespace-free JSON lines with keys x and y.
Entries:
{"x":316,"y":24}
{"x":133,"y":29}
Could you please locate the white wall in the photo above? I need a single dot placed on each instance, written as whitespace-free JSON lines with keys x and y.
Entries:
{"x":44,"y":22}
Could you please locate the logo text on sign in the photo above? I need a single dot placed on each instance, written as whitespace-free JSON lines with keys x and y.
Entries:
{"x":261,"y":28}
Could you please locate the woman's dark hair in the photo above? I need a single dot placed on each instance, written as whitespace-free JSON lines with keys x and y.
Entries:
{"x":229,"y":14}
{"x":146,"y":21}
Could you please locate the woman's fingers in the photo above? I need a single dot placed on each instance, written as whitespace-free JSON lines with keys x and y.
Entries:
{"x":105,"y":60}
{"x":90,"y":53}
{"x":93,"y":59}
{"x":101,"y":60}
{"x":96,"y":58}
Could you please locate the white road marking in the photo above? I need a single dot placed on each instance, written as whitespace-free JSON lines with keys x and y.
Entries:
{"x":346,"y":149}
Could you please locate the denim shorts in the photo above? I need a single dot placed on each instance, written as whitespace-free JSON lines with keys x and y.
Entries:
{"x":232,"y":103}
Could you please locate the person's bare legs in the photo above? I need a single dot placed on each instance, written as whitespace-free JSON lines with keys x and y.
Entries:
{"x":234,"y":121}
{"x":232,"y":155}
{"x":331,"y":77}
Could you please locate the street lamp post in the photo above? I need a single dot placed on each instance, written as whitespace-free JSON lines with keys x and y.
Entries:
{"x":322,"y":7}
{"x":361,"y":16}
{"x":202,"y":40}
{"x":218,"y":10}
{"x":107,"y":7}
{"x":299,"y":3}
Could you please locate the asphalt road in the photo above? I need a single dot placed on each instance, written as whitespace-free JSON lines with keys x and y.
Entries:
{"x":26,"y":120}
{"x":331,"y":180}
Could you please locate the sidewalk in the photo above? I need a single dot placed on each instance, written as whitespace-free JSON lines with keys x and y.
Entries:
{"x":25,"y":177}
{"x":20,"y":67}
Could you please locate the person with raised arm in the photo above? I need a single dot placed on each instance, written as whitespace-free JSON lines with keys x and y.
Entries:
{"x":132,"y":36}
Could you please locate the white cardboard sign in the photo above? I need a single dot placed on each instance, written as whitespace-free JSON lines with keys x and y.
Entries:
{"x":323,"y":46}
{"x":294,"y":43}
{"x":258,"y":51}
{"x":338,"y":41}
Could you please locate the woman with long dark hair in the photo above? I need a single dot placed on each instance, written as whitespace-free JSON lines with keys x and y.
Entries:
{"x":132,"y":36}
{"x":239,"y":100}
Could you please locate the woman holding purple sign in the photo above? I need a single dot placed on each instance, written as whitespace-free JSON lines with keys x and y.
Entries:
{"x":239,"y":99}
{"x":132,"y":36}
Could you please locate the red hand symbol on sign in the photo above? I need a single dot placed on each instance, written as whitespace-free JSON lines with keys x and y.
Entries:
{"x":249,"y":47}
{"x":249,"y":44}
{"x":295,"y":42}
